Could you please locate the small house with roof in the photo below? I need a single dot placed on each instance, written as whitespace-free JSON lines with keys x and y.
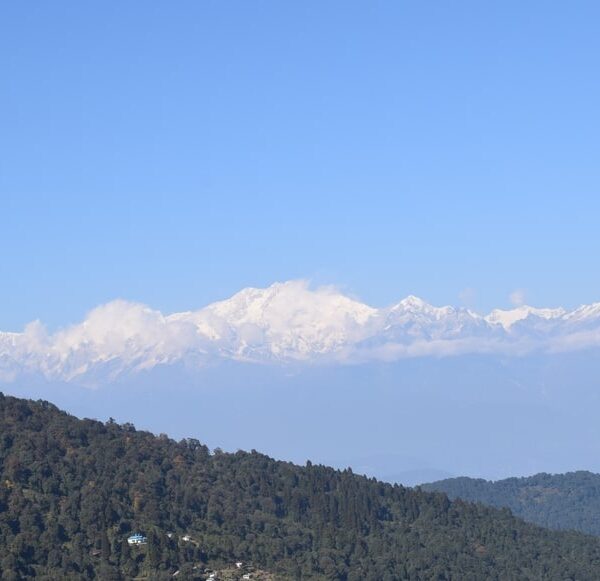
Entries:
{"x":137,"y":539}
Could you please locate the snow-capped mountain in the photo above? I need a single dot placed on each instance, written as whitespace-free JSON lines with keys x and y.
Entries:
{"x":508,"y":318}
{"x":286,"y":322}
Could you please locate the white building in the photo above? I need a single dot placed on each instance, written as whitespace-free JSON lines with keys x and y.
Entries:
{"x":137,"y":539}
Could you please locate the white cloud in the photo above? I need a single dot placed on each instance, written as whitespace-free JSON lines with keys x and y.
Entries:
{"x":284,"y":322}
{"x":517,"y":297}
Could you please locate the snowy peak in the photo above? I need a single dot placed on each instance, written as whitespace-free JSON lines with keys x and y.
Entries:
{"x":285,"y":322}
{"x":288,"y":302}
{"x":583,"y":313}
{"x":507,"y":318}
{"x":413,"y":305}
{"x":411,"y":302}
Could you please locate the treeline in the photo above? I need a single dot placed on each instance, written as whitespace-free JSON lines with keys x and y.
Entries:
{"x":72,"y":491}
{"x":568,"y":501}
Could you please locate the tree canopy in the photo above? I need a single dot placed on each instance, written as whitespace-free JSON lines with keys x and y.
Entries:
{"x":72,"y":491}
{"x":568,"y":501}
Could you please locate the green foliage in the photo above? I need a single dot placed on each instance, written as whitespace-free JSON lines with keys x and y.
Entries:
{"x":72,"y":491}
{"x":557,"y":501}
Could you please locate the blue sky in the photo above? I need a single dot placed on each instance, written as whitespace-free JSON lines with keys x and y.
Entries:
{"x":173,"y":153}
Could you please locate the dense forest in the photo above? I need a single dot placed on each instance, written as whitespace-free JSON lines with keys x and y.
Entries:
{"x":557,"y":501}
{"x":72,"y":491}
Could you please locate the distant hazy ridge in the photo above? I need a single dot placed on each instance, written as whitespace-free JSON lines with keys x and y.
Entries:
{"x":557,"y":501}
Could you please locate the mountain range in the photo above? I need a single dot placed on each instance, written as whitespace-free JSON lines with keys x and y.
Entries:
{"x":286,"y":323}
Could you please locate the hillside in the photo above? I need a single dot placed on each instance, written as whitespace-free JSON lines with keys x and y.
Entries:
{"x":557,"y":501}
{"x":72,"y":491}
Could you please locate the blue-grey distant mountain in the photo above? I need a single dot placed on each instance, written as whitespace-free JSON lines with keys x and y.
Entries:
{"x":556,"y":501}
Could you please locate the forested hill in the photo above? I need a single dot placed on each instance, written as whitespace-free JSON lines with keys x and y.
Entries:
{"x":557,"y":501}
{"x":72,"y":491}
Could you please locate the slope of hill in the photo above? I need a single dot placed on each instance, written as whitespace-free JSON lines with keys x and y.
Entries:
{"x":72,"y":491}
{"x":557,"y":501}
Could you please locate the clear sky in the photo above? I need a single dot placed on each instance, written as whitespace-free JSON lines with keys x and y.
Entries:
{"x":175,"y":152}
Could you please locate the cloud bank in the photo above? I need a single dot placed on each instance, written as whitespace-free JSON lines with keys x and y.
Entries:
{"x":284,"y":323}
